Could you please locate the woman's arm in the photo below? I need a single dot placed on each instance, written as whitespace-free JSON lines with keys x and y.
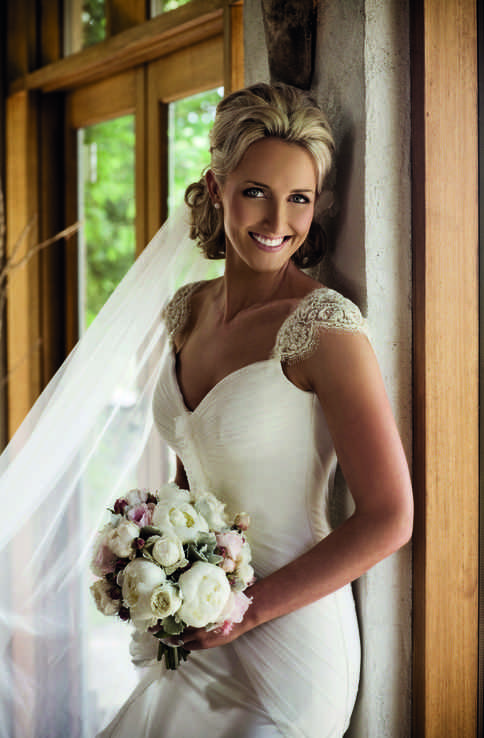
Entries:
{"x":344,"y":374}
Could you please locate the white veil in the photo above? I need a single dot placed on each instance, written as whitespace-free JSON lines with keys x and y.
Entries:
{"x":88,"y":437}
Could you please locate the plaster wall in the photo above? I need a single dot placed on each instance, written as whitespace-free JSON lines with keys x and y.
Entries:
{"x":362,"y":80}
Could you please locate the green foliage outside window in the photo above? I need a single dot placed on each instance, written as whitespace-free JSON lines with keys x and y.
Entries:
{"x":93,"y":22}
{"x":109,"y":190}
{"x":109,"y":209}
{"x":189,"y":123}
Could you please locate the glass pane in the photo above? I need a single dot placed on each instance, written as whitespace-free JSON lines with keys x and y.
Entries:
{"x":85,"y":24}
{"x":93,"y":22}
{"x":190,"y":120}
{"x":106,"y":252}
{"x":107,"y":209}
{"x":162,"y":6}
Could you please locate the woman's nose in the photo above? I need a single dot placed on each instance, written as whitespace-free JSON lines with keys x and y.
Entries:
{"x":276,"y":218}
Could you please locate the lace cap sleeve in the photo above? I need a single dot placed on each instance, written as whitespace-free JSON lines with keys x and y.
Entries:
{"x":176,"y":311}
{"x":321,"y":309}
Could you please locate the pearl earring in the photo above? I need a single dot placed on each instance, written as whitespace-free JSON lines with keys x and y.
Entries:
{"x":216,"y":205}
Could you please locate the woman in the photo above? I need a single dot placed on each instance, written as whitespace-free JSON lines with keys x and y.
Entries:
{"x":271,"y":377}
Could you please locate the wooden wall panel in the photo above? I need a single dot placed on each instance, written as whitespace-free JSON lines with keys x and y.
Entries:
{"x":234,"y":47}
{"x":445,"y":214}
{"x":23,"y":329}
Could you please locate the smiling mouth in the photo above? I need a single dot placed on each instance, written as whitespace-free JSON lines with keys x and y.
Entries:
{"x":269,"y":244}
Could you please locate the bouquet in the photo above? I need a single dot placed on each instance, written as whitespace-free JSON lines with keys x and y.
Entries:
{"x":171,"y":559}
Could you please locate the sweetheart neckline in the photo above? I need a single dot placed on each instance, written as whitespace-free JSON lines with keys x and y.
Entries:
{"x":271,"y":361}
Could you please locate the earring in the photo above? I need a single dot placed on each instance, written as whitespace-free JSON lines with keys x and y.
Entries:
{"x":216,"y":205}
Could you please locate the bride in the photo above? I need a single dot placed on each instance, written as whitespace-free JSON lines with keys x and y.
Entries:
{"x":259,"y":381}
{"x":269,"y":381}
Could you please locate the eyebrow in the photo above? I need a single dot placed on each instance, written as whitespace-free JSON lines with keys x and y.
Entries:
{"x":261,"y":184}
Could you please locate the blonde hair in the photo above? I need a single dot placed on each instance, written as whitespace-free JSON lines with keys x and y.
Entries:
{"x":242,"y":118}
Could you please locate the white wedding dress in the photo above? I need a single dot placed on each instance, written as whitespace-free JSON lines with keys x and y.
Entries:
{"x":262,"y":445}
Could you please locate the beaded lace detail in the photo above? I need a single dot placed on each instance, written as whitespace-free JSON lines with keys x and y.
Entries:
{"x":297,"y":339}
{"x":176,"y":312}
{"x":323,"y":309}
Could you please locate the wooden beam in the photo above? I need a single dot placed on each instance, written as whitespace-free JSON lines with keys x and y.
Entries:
{"x":446,"y":463}
{"x":103,"y":100}
{"x":290,"y":30}
{"x":162,"y":35}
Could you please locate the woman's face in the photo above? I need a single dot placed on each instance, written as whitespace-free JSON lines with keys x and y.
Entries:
{"x":268,"y":203}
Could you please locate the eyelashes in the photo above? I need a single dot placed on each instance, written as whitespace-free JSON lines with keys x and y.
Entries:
{"x":257,"y":193}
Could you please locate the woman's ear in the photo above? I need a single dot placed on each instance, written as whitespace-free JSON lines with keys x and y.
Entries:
{"x":213,"y":187}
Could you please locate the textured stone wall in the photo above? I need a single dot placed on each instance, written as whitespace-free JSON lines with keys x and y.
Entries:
{"x":362,"y":81}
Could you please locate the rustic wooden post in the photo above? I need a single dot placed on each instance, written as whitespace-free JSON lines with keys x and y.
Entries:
{"x":290,"y":30}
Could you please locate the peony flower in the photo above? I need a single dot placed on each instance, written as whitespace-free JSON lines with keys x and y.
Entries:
{"x":103,"y":558}
{"x":179,"y":518}
{"x":168,"y":552}
{"x":205,"y":591}
{"x":101,"y":591}
{"x":234,"y":611}
{"x":165,"y":600}
{"x":228,"y":565}
{"x":141,"y":514}
{"x":138,"y":581}
{"x":120,"y":539}
{"x":212,"y":510}
{"x":230,"y":543}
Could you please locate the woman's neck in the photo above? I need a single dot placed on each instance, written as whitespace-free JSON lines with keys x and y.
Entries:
{"x":243,"y":288}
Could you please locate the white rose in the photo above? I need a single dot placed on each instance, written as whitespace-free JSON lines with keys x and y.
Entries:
{"x":212,"y":510}
{"x":140,"y":578}
{"x":120,"y":539}
{"x":101,"y":592}
{"x":168,"y":551}
{"x":205,"y":591}
{"x":165,"y":600}
{"x":179,"y":518}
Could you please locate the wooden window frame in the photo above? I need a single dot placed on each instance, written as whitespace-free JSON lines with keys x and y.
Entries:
{"x":446,"y":369}
{"x":35,"y":164}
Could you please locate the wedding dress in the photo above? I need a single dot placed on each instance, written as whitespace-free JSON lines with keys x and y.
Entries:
{"x":261,"y":445}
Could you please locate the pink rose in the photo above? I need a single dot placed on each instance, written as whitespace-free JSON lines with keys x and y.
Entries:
{"x":141,"y":514}
{"x":230,"y":544}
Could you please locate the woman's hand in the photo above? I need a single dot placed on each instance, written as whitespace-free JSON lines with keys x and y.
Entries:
{"x":197,"y":639}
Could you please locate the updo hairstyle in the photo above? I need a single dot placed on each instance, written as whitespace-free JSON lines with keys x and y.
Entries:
{"x":242,"y":118}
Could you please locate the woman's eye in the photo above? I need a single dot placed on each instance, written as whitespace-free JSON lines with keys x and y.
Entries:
{"x":299,"y":199}
{"x":254,"y":192}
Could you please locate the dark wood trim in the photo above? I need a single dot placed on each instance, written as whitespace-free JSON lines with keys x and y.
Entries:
{"x":234,"y":46}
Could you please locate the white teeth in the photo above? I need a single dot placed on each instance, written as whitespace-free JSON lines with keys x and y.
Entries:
{"x":268,"y":241}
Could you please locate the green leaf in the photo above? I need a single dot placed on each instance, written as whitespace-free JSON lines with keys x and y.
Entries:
{"x":172,"y":627}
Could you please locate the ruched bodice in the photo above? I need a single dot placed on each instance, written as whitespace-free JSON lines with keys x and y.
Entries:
{"x":256,"y":441}
{"x":261,"y":445}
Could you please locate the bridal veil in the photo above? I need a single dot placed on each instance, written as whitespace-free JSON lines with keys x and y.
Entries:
{"x":88,"y":437}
